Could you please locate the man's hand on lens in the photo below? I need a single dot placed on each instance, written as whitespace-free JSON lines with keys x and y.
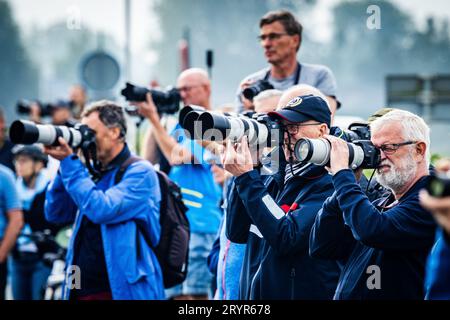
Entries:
{"x":440,"y":207}
{"x":339,"y":154}
{"x":148,"y":109}
{"x":237,"y":159}
{"x":59,"y":152}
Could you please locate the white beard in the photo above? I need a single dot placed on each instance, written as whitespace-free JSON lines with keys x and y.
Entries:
{"x":398,"y":176}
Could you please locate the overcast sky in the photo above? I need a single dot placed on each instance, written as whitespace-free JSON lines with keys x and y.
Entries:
{"x":108,"y":15}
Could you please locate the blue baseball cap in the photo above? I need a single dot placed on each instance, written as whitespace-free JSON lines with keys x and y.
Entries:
{"x":304,"y":108}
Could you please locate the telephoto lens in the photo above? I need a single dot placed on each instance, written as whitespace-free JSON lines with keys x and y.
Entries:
{"x":187,"y":119}
{"x":218,"y":127}
{"x":317,"y":151}
{"x":27,"y":132}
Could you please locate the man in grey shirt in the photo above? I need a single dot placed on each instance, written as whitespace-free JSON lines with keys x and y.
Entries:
{"x":280,"y":37}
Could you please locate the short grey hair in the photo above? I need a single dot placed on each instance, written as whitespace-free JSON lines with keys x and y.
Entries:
{"x":414,"y":127}
{"x":110,"y":114}
{"x":266,"y":94}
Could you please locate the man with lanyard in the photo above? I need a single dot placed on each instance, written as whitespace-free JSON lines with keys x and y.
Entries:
{"x":280,"y":36}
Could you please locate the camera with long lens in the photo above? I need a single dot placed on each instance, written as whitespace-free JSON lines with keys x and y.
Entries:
{"x":24,"y":107}
{"x":362,"y":153}
{"x":27,"y":132}
{"x":211,"y":126}
{"x":438,"y":186}
{"x":256,"y":88}
{"x":187,"y":118}
{"x":167,"y":102}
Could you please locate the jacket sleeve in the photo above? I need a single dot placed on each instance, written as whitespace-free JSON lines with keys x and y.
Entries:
{"x":237,"y":220}
{"x":286,"y":234}
{"x":438,"y":275}
{"x":133,"y":196}
{"x":330,"y":237}
{"x":213,"y":256}
{"x":406,"y":226}
{"x":59,"y":206}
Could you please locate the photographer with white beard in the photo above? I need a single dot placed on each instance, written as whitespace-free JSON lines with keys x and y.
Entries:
{"x":384,"y":244}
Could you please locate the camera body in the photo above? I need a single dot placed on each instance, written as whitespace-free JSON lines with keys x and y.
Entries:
{"x":357,"y":131}
{"x":439,"y":186}
{"x":256,"y":88}
{"x":27,"y":132}
{"x":167,"y":102}
{"x":362,"y":153}
{"x":24,"y":107}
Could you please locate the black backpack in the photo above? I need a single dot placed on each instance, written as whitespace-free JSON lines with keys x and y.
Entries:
{"x":173,"y":247}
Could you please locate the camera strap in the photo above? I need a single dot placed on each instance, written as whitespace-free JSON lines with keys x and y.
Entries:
{"x":297,"y":74}
{"x":90,"y":155}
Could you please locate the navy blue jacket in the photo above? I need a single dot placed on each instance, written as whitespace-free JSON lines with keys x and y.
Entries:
{"x":397,"y":240}
{"x":275,"y":223}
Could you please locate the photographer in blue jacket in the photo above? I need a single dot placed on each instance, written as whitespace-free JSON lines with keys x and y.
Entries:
{"x":107,"y":253}
{"x":385,"y":243}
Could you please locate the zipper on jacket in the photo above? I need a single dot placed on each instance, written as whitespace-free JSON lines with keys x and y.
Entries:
{"x":292,"y":283}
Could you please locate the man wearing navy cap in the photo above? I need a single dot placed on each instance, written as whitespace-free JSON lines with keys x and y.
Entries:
{"x":276,"y":263}
{"x":305,"y":116}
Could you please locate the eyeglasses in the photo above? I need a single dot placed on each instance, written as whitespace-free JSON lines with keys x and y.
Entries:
{"x":271,"y":36}
{"x":391,"y":148}
{"x":187,"y":88}
{"x":293,"y":128}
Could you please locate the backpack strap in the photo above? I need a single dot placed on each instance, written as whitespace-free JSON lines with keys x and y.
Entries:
{"x":124,"y":166}
{"x":119,"y":175}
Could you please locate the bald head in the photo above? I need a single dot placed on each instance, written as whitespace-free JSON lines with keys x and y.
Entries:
{"x":267,"y":100}
{"x":299,"y":90}
{"x":195,"y":87}
{"x":195,"y":74}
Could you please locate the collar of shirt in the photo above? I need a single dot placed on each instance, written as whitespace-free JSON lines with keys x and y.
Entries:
{"x":118,"y":160}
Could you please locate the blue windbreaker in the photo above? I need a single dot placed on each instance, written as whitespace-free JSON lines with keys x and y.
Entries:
{"x":132,"y":267}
